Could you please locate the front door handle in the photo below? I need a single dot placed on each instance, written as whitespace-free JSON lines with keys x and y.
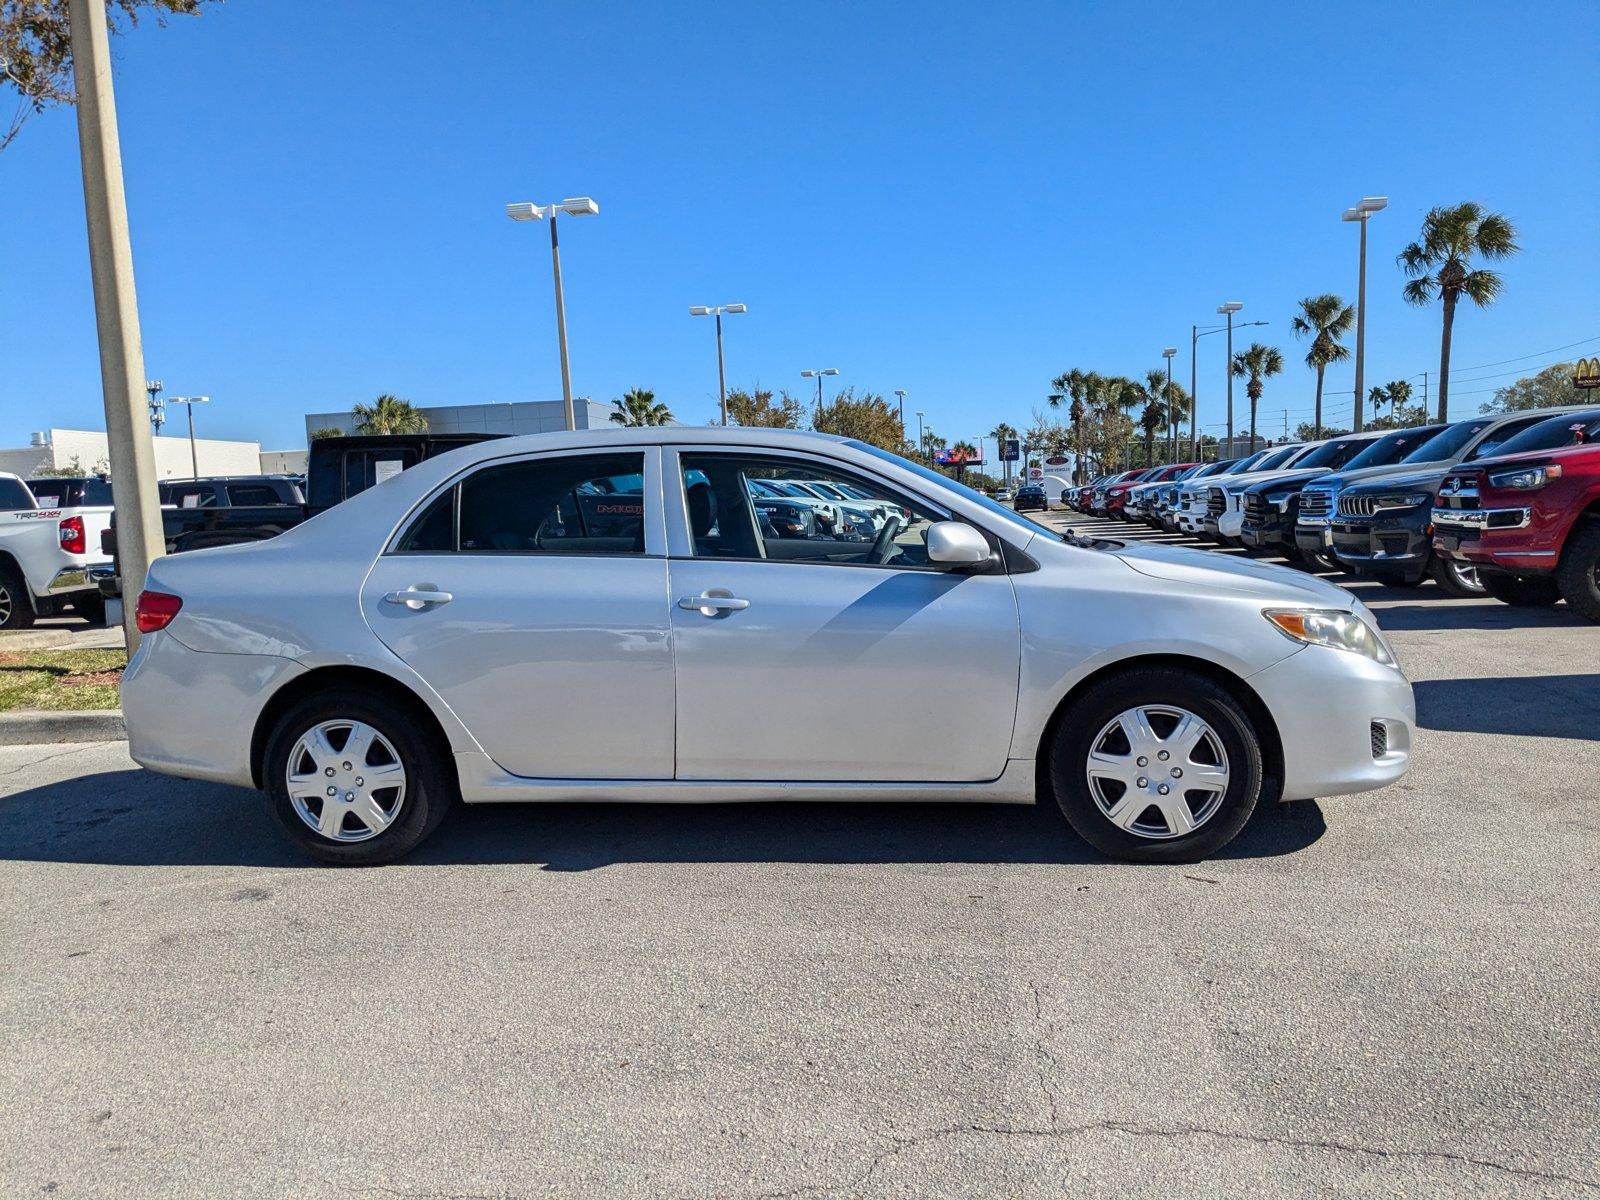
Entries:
{"x":711,"y":604}
{"x":419,"y":597}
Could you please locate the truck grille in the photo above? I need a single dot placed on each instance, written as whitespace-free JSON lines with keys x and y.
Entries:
{"x":1216,"y":502}
{"x":1256,"y":507}
{"x":1357,"y":506}
{"x":1318,"y":503}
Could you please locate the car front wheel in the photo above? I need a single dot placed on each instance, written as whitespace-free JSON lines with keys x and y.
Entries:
{"x":1156,"y":765}
{"x":1579,"y":573}
{"x":1456,"y":579}
{"x":354,"y":778}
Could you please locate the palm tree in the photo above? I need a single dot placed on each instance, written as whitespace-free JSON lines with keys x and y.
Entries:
{"x":1074,"y":385}
{"x":1379,"y":397}
{"x":1396,"y":395}
{"x":389,"y":414}
{"x":1324,"y":319}
{"x":1151,"y":420}
{"x":1439,"y":265}
{"x":638,"y":407}
{"x":960,"y":452}
{"x":1000,"y":433}
{"x":1256,"y":364}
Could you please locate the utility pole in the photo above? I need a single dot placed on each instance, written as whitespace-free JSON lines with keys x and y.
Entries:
{"x":116,"y":308}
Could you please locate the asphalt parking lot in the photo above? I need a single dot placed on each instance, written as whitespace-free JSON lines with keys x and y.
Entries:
{"x":1385,"y":994}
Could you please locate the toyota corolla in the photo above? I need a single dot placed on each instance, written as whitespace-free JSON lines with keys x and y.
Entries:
{"x":603,"y":615}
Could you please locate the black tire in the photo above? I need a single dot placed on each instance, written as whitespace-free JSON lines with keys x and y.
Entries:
{"x":430,"y":789}
{"x":16,"y":608}
{"x":1454,"y":579}
{"x":1082,"y":723}
{"x":91,"y":606}
{"x":1578,"y":576}
{"x":1521,"y":591}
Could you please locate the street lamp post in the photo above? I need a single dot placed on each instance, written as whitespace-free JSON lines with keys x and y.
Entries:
{"x":900,"y":395}
{"x":922,"y":445}
{"x":1172,"y":424}
{"x":817,"y":375}
{"x":702,"y":310}
{"x":1359,"y":214}
{"x":189,"y":402}
{"x":1231,"y":307}
{"x":577,"y":206}
{"x":1196,"y":332}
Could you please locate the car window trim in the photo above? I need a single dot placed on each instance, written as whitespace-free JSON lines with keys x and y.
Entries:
{"x":655,"y":537}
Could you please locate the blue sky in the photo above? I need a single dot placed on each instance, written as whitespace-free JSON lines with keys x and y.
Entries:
{"x":958,"y":200}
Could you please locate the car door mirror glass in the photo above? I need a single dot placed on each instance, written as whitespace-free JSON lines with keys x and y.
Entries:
{"x":954,"y":544}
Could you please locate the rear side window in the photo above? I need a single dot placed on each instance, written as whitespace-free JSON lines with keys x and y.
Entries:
{"x":14,"y":495}
{"x":191,"y":495}
{"x":55,"y":493}
{"x":252,"y":494}
{"x":581,"y":504}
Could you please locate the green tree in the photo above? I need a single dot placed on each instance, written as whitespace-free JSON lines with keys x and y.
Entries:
{"x":327,"y":431}
{"x":1397,"y":395}
{"x":1324,"y":319}
{"x":1550,"y":387}
{"x":1000,"y":433}
{"x":757,"y":409}
{"x":867,"y":418}
{"x":637,"y":408}
{"x":1074,"y":386}
{"x":960,"y":452}
{"x":389,"y":414}
{"x":1256,"y":364}
{"x":36,"y":49}
{"x":1307,"y":432}
{"x":1440,"y":265}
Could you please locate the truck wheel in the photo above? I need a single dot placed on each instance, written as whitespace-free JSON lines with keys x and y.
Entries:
{"x":1578,"y":576}
{"x":1455,"y":579}
{"x":1521,"y":591}
{"x":16,"y":612}
{"x":91,"y":606}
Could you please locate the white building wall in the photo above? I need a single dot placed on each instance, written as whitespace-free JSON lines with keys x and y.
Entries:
{"x":92,"y":452}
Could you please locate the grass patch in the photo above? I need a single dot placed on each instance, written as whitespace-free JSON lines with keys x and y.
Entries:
{"x":60,"y":679}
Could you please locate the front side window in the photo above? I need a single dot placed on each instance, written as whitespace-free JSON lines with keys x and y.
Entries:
{"x":747,"y":506}
{"x":579,"y":504}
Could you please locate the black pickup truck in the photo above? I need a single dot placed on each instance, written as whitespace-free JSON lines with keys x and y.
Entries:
{"x":197,"y":513}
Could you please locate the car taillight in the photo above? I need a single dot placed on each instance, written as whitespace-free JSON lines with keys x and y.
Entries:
{"x":72,"y":536}
{"x":156,"y":610}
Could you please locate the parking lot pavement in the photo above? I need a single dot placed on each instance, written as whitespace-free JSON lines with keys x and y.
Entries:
{"x":63,"y":633}
{"x":1385,"y":994}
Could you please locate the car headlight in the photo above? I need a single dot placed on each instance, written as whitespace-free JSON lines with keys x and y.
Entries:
{"x":1527,"y":479}
{"x":1402,"y":500}
{"x":1331,"y":627}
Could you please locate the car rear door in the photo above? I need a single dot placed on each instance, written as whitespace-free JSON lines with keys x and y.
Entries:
{"x":531,"y":594}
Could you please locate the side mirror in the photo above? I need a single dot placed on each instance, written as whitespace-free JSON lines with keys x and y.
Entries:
{"x":954,"y":544}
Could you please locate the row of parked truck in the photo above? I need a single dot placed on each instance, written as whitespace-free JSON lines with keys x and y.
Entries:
{"x":1505,"y":505}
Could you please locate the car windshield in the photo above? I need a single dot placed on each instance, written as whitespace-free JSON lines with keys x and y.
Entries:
{"x":1554,"y":433}
{"x":1449,"y":441}
{"x":1270,"y":461}
{"x":1247,"y":463}
{"x":1392,"y":447}
{"x":1011,"y":517}
{"x":1332,"y":454}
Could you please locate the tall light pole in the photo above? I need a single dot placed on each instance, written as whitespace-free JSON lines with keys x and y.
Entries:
{"x":900,"y":395}
{"x":701,"y":310}
{"x":1359,"y":214}
{"x":1172,"y":423}
{"x":817,"y":375}
{"x":1196,"y":332}
{"x":1229,"y":308}
{"x":116,"y":306}
{"x":922,"y":446}
{"x":189,"y":402}
{"x":577,"y":206}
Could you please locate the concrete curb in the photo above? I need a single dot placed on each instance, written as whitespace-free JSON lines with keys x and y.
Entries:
{"x":35,"y":727}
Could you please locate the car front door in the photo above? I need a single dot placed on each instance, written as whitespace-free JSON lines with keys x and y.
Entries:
{"x":531,"y":595}
{"x":814,"y":658}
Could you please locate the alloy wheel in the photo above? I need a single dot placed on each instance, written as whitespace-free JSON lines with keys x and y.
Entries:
{"x":5,"y":605}
{"x":345,"y":780}
{"x":1157,"y":771}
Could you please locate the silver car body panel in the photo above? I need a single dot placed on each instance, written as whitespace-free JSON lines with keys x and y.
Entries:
{"x":951,"y":679}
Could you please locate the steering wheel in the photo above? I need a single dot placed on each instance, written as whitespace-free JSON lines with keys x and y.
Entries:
{"x":883,"y":545}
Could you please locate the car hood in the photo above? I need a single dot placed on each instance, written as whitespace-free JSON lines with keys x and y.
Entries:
{"x":1340,"y":480}
{"x":1223,"y":572}
{"x":1292,"y":475}
{"x":1411,"y":477}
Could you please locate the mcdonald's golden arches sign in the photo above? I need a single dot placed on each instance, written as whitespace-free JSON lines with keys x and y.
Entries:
{"x":1586,"y":374}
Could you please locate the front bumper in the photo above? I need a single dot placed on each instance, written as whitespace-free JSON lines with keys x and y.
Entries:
{"x":1267,"y":532}
{"x":1329,"y":707}
{"x":1396,"y":545}
{"x":1495,"y":537}
{"x":1314,"y":536}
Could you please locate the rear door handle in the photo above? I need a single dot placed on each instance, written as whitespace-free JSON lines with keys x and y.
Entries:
{"x":418,"y":597}
{"x":709,"y":604}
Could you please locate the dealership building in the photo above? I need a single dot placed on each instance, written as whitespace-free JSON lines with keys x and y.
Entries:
{"x":532,"y":416}
{"x":89,"y":451}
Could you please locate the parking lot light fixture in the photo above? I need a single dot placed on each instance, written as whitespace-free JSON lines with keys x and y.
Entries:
{"x":1359,"y":214}
{"x":1228,"y":309}
{"x":576,"y":206}
{"x":1172,"y":425}
{"x":922,"y":444}
{"x":188,"y":403}
{"x":900,"y":395}
{"x":817,"y":375}
{"x":702,"y":310}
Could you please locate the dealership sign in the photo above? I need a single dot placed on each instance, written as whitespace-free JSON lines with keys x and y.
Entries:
{"x":958,"y":458}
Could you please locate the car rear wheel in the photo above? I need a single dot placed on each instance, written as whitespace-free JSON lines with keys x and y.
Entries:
{"x":354,"y":778}
{"x":15,"y":610}
{"x":1521,"y":591}
{"x":1156,"y":765}
{"x":1579,"y":573}
{"x":1456,"y":579}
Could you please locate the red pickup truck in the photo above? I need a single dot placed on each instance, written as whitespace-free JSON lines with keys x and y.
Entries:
{"x":1530,"y":522}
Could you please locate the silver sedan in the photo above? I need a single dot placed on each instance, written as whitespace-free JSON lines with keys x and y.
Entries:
{"x":607,"y":615}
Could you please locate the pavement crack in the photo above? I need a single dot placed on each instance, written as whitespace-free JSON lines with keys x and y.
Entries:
{"x":35,"y":762}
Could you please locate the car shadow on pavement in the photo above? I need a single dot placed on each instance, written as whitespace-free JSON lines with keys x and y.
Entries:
{"x":1555,"y":706}
{"x":1490,"y":614}
{"x":133,"y":818}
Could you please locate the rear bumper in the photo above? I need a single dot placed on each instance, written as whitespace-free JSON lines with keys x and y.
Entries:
{"x":1330,"y":706}
{"x":72,"y":579}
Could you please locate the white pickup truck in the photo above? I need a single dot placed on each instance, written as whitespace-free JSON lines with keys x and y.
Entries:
{"x":48,"y":543}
